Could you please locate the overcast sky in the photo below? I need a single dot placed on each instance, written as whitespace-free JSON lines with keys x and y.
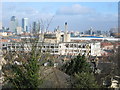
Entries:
{"x":80,"y":16}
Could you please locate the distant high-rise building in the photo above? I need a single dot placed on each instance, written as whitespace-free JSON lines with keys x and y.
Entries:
{"x":89,"y":32}
{"x":0,"y":25}
{"x":25,"y":24}
{"x":13,"y":24}
{"x":98,"y":32}
{"x":36,"y":27}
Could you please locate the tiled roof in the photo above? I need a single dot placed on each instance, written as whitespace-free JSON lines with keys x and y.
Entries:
{"x":4,"y":40}
{"x":109,"y":43}
{"x":106,"y":43}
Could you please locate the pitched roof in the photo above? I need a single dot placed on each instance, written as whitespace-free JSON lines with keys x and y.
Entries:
{"x":55,"y":78}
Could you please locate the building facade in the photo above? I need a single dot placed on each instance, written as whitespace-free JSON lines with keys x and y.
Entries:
{"x":36,"y":27}
{"x":19,"y":30}
{"x":13,"y":24}
{"x":25,"y":24}
{"x":63,"y":48}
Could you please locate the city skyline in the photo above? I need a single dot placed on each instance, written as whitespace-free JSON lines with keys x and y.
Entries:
{"x":59,"y":44}
{"x":80,"y":16}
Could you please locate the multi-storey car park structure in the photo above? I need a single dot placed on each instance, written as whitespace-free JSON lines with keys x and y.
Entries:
{"x":59,"y":48}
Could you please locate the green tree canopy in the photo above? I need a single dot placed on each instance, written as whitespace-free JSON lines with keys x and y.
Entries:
{"x":80,"y":70}
{"x":24,"y":73}
{"x":22,"y":69}
{"x":85,"y":80}
{"x":77,"y":65}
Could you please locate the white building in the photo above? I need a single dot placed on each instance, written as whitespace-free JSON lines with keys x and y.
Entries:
{"x":19,"y":30}
{"x":74,"y":48}
{"x":2,"y":33}
{"x":62,"y":48}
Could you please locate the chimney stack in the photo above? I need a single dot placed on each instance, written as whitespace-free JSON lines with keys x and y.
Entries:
{"x":65,"y":27}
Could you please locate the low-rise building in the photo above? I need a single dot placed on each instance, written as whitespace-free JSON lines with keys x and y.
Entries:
{"x":19,"y":30}
{"x":2,"y":33}
{"x":62,"y":48}
{"x":5,"y":33}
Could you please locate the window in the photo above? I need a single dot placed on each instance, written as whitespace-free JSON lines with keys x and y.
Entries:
{"x":17,"y":46}
{"x":75,"y":50}
{"x":71,"y":45}
{"x":79,"y":46}
{"x":67,"y":45}
{"x":89,"y":51}
{"x":56,"y":46}
{"x":52,"y":46}
{"x":75,"y":45}
{"x":47,"y":46}
{"x":56,"y":51}
{"x":84,"y":51}
{"x":8,"y":46}
{"x":90,"y":46}
{"x":13,"y":46}
{"x":83,"y":46}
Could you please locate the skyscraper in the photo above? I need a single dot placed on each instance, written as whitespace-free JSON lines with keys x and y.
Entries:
{"x":36,"y":27}
{"x":13,"y":24}
{"x":89,"y":32}
{"x":25,"y":24}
